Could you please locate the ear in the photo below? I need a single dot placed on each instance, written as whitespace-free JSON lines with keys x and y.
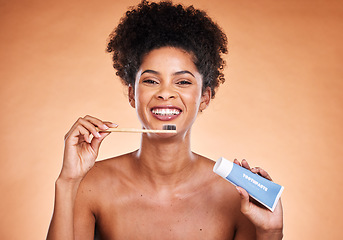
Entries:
{"x":205,"y":99}
{"x":132,"y":96}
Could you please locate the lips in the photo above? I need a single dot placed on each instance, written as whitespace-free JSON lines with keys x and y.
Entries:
{"x":166,"y":113}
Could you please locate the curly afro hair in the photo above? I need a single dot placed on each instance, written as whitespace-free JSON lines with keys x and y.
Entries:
{"x":150,"y":26}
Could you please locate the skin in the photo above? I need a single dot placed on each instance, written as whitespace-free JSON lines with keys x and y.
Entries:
{"x":163,"y":190}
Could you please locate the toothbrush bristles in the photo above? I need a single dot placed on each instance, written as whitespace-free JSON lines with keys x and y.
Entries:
{"x":169,"y":127}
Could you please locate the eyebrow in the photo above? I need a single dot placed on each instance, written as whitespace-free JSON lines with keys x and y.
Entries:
{"x":175,"y":74}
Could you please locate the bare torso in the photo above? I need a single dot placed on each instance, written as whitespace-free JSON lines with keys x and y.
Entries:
{"x":123,"y":205}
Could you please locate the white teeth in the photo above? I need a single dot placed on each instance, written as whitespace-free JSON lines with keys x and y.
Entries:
{"x":165,"y":111}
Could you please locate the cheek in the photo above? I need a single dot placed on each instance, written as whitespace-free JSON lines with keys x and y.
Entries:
{"x":142,"y":98}
{"x":193,"y":98}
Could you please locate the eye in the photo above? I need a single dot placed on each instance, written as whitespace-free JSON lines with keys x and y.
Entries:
{"x":150,"y":82}
{"x":184,"y":82}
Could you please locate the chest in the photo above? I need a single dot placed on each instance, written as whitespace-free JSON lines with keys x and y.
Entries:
{"x":143,"y":217}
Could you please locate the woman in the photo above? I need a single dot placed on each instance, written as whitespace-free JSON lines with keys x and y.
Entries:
{"x":170,"y":59}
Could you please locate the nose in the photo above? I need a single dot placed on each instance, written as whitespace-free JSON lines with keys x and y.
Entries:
{"x":166,"y":93}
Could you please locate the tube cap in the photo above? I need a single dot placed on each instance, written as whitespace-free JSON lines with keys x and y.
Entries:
{"x":223,"y":167}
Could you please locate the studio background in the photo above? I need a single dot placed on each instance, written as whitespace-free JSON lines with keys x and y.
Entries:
{"x":280,"y":107}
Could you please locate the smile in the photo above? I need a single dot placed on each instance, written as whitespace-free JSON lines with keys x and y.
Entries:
{"x":166,"y":111}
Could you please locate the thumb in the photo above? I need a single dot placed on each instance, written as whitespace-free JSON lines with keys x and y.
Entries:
{"x":96,"y":141}
{"x":245,"y":204}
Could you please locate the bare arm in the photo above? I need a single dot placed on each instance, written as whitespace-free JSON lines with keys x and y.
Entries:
{"x":80,"y":153}
{"x":61,"y":226}
{"x":269,"y":225}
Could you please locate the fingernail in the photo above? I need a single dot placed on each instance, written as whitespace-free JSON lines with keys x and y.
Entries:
{"x":239,"y":190}
{"x":98,"y":134}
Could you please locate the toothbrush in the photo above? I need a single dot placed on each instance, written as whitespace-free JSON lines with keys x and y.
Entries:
{"x":170,"y":128}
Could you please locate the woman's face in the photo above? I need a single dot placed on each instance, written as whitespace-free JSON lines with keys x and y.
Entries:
{"x":168,"y":90}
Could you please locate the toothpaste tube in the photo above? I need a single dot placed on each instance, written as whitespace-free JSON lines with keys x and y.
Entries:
{"x":261,"y":189}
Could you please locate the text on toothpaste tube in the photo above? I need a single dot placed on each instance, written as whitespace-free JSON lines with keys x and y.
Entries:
{"x":255,"y":182}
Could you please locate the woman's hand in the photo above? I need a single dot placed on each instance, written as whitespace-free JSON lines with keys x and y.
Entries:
{"x":267,"y":223}
{"x":80,"y":153}
{"x":81,"y":148}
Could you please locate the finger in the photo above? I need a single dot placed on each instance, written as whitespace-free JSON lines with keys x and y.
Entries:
{"x":237,"y":162}
{"x":245,"y":204}
{"x":79,"y":135}
{"x":72,"y":129}
{"x":245,"y":164}
{"x":110,"y":124}
{"x":90,"y":127}
{"x":261,"y":172}
{"x":96,"y":122}
{"x":96,"y":142}
{"x":84,"y":122}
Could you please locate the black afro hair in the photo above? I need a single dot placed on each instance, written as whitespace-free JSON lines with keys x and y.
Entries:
{"x":150,"y":26}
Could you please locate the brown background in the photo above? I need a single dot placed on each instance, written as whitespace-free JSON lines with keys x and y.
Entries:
{"x":280,"y":107}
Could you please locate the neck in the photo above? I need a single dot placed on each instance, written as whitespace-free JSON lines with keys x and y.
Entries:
{"x":165,"y":162}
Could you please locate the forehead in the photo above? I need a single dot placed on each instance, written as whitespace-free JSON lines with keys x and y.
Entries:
{"x":170,"y":58}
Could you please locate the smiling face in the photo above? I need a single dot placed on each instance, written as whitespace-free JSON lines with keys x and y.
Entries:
{"x":168,"y":90}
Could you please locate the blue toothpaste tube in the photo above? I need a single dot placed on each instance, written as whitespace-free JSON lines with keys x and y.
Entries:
{"x":261,"y":189}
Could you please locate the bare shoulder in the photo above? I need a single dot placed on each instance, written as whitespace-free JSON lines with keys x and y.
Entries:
{"x":219,"y":187}
{"x":106,"y":177}
{"x":225,"y":197}
{"x":107,"y":170}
